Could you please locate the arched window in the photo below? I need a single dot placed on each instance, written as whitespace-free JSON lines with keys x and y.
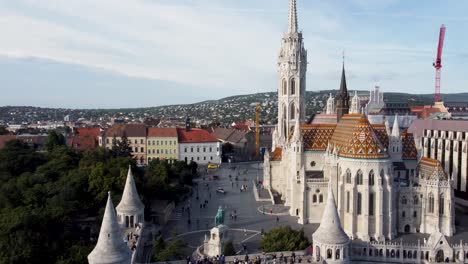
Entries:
{"x":314,"y":198}
{"x":293,"y":86}
{"x":347,"y":202}
{"x":404,"y":201}
{"x":321,"y":198}
{"x":403,"y":214}
{"x":292,"y":112}
{"x":359,"y":203}
{"x":382,"y":176}
{"x":285,"y":87}
{"x":337,"y":254}
{"x":416,"y":200}
{"x":441,"y":204}
{"x":371,"y":178}
{"x":431,"y":203}
{"x":359,"y":177}
{"x":329,"y":253}
{"x":348,"y":176}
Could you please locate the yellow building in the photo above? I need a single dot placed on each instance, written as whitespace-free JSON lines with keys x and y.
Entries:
{"x":162,"y":144}
{"x":136,"y":135}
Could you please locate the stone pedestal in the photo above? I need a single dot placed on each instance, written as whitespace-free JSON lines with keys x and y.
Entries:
{"x":214,"y":245}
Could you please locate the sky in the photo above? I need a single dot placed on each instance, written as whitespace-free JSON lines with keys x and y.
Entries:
{"x":143,"y":53}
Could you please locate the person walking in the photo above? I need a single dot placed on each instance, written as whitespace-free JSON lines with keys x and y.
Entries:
{"x":277,"y":219}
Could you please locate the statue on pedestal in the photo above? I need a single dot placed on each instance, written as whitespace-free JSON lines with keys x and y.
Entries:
{"x":219,"y":218}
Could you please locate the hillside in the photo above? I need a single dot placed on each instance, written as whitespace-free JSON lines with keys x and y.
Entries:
{"x":225,"y":110}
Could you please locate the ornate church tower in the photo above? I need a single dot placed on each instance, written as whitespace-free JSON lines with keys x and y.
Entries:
{"x":342,"y":100}
{"x":292,"y":67}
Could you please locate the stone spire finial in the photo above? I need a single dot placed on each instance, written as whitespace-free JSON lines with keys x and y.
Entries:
{"x":330,"y":230}
{"x":355,"y":104}
{"x":110,"y":247}
{"x":396,"y":127}
{"x":297,"y":131}
{"x":292,"y":17}
{"x":387,"y":127}
{"x":130,"y":203}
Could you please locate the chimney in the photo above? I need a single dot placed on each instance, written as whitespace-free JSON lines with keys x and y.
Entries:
{"x":187,"y":124}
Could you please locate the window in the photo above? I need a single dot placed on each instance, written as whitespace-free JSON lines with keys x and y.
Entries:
{"x":337,"y":254}
{"x":211,"y":149}
{"x":136,"y":141}
{"x":198,"y":158}
{"x":431,"y":203}
{"x":191,"y":158}
{"x":154,"y":142}
{"x":329,"y":253}
{"x":136,"y":149}
{"x":141,"y":141}
{"x":403,"y":200}
{"x":166,"y":151}
{"x":347,"y":202}
{"x":359,"y":177}
{"x":441,"y":204}
{"x":170,"y":142}
{"x":157,"y":142}
{"x":292,"y":112}
{"x":211,"y":158}
{"x":403,"y":214}
{"x":314,"y":198}
{"x":149,"y":151}
{"x":185,"y":149}
{"x":415,"y":200}
{"x":293,"y":86}
{"x":321,"y":198}
{"x":204,"y":158}
{"x":142,"y":149}
{"x":371,"y":204}
{"x":149,"y":142}
{"x":157,"y":151}
{"x":107,"y":141}
{"x":198,"y":149}
{"x":415,"y":214}
{"x":348,"y":176}
{"x":191,"y":149}
{"x":371,"y":178}
{"x":204,"y":149}
{"x":359,"y":203}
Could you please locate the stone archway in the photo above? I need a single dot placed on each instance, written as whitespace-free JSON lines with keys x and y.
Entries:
{"x":407,"y":228}
{"x":440,"y":256}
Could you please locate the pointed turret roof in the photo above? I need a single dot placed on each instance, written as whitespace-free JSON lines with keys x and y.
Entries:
{"x":297,"y":136}
{"x":292,"y":17}
{"x":396,"y":127}
{"x":330,"y":230}
{"x":130,"y":203}
{"x":387,"y":126}
{"x":110,"y":247}
{"x":343,"y":88}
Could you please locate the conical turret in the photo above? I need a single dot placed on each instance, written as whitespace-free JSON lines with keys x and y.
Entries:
{"x":396,"y":127}
{"x":130,"y":206}
{"x":110,"y":248}
{"x":330,"y":231}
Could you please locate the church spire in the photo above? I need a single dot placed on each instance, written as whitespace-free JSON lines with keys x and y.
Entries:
{"x":396,"y":127}
{"x":342,"y":102}
{"x":292,"y":17}
{"x":110,"y":247}
{"x":343,"y":87}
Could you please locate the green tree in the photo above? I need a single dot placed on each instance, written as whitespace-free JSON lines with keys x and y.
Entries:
{"x":54,"y":139}
{"x":165,"y":251}
{"x":229,"y":249}
{"x":121,"y":148}
{"x":284,"y":238}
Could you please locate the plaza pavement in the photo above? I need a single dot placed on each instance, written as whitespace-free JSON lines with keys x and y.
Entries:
{"x":250,"y":221}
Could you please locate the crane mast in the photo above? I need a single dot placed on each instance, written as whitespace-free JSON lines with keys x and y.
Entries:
{"x":438,"y":63}
{"x":258,"y":108}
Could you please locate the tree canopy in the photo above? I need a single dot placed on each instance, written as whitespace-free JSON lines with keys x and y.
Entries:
{"x":284,"y":238}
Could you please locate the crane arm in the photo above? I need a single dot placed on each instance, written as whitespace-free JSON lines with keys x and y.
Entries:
{"x":438,"y":63}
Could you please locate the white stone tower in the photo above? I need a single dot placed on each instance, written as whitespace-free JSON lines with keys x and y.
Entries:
{"x":395,"y":142}
{"x":355,"y":104}
{"x":110,"y":248}
{"x":331,"y":244}
{"x":330,"y":105}
{"x":130,"y":209}
{"x":292,"y":67}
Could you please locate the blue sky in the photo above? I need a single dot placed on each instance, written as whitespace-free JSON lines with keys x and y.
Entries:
{"x":138,"y":53}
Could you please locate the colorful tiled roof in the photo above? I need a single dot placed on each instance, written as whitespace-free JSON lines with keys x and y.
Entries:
{"x":195,"y":135}
{"x":316,"y":136}
{"x":276,"y":155}
{"x":431,"y":169}
{"x":381,"y":133}
{"x":162,"y":132}
{"x":355,"y":137}
{"x":409,"y":146}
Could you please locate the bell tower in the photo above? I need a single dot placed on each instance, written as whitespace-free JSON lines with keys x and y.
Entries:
{"x":292,"y":67}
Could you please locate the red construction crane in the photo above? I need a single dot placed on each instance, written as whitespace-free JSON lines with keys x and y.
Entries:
{"x":438,"y":63}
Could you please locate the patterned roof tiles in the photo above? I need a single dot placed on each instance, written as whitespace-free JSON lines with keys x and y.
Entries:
{"x":354,"y":137}
{"x":431,"y":169}
{"x":316,"y":136}
{"x":409,"y":146}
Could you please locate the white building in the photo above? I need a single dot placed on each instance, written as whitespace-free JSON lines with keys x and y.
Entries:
{"x":374,"y":173}
{"x":198,"y":145}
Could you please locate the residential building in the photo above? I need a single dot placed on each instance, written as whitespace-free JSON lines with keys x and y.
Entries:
{"x":136,"y":135}
{"x":162,"y":143}
{"x":198,"y":145}
{"x":243,"y":142}
{"x":84,"y":138}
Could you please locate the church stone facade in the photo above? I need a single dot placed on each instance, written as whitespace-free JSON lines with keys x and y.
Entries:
{"x":370,"y":174}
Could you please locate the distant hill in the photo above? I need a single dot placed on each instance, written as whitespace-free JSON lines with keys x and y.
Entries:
{"x":224,"y":110}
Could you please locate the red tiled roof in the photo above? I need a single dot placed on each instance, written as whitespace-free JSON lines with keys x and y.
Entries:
{"x":84,"y":138}
{"x":89,"y":131}
{"x":195,"y":135}
{"x":431,"y":169}
{"x":355,"y":137}
{"x":162,"y":132}
{"x":316,"y":136}
{"x":409,"y":146}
